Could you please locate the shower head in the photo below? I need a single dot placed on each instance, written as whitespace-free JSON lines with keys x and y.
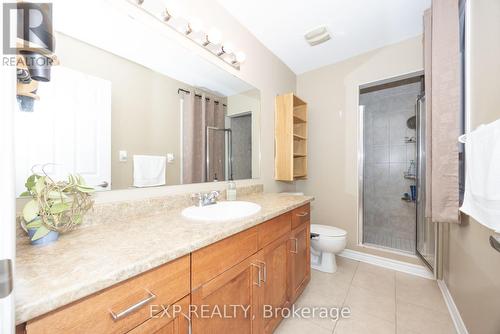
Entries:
{"x":411,"y":122}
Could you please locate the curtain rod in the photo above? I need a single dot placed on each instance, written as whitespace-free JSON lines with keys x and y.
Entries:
{"x":197,"y":95}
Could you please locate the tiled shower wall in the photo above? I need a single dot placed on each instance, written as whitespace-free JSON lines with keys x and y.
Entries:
{"x":388,"y":221}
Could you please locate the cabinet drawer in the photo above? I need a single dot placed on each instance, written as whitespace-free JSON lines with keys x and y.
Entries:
{"x":161,"y":286}
{"x":274,"y":228}
{"x":214,"y":259}
{"x":301,"y":215}
{"x":172,"y":321}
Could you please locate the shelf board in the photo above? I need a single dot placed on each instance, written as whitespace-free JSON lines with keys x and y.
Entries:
{"x":299,"y":155}
{"x":298,"y":120}
{"x":299,"y":176}
{"x":299,"y":137}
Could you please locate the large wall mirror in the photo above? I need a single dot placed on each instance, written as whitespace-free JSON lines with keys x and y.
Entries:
{"x":130,"y":107}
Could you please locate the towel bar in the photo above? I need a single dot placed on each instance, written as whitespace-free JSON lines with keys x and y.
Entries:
{"x":495,"y":243}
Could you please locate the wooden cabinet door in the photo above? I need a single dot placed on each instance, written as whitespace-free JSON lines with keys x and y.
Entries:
{"x":275,"y":294}
{"x":300,"y":260}
{"x":173,"y":319}
{"x":228,"y":303}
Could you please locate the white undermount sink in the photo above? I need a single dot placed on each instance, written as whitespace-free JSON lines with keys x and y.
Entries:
{"x":222,"y":211}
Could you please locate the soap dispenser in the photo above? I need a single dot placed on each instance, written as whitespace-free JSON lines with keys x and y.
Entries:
{"x":231,"y":191}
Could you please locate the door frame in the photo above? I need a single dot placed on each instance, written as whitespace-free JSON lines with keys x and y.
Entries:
{"x":361,"y":157}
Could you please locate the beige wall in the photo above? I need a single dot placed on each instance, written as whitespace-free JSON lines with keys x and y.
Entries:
{"x":332,"y":96}
{"x":472,"y":273}
{"x":145,"y":117}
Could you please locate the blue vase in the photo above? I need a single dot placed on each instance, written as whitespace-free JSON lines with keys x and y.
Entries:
{"x":45,"y":240}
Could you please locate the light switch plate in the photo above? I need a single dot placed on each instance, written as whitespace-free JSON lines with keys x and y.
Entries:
{"x":122,"y":156}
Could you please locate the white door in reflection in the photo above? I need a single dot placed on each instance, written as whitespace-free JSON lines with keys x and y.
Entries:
{"x":69,"y":130}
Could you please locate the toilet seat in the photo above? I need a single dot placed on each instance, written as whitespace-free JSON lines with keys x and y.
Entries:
{"x":328,"y":231}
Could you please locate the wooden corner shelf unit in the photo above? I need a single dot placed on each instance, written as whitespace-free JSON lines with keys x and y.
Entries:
{"x":290,"y":138}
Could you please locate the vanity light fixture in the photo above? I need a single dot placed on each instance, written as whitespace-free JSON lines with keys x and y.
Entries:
{"x":194,"y":25}
{"x":213,"y":37}
{"x":211,"y":41}
{"x":226,"y":49}
{"x":165,"y":15}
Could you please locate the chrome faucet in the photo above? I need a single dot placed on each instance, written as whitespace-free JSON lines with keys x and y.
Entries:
{"x":204,"y":199}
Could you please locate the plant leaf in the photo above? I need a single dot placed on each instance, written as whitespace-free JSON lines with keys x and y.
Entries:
{"x":25,"y":194}
{"x":30,"y":211}
{"x":58,"y":208}
{"x":85,"y":189}
{"x":34,"y":224}
{"x":53,"y":194}
{"x":78,"y":219}
{"x":40,"y":184}
{"x":30,"y":182}
{"x":40,"y":233}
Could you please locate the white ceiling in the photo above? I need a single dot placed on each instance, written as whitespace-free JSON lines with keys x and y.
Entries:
{"x":357,"y":26}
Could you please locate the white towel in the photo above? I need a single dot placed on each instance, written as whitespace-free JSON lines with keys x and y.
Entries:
{"x":482,"y":178}
{"x":149,"y":170}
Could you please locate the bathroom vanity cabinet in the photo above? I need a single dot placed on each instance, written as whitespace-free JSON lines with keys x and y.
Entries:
{"x":225,"y":285}
{"x":269,"y":267}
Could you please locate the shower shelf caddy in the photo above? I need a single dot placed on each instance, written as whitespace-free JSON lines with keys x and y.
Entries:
{"x":290,"y":138}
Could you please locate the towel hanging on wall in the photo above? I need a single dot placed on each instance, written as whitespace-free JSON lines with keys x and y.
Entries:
{"x":482,"y":179}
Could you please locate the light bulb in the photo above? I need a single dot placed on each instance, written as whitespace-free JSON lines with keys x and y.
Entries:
{"x":240,"y":57}
{"x":214,"y":36}
{"x":195,"y":25}
{"x":228,"y":48}
{"x":182,"y":28}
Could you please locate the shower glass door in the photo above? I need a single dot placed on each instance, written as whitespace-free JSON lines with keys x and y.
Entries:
{"x":426,"y":235}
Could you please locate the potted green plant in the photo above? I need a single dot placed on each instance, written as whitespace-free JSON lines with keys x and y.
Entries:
{"x":55,"y":207}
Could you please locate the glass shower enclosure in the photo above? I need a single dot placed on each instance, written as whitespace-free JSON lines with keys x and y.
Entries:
{"x":393,"y":168}
{"x":426,"y":234}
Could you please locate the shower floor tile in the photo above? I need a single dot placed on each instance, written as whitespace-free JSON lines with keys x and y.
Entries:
{"x":390,"y":241}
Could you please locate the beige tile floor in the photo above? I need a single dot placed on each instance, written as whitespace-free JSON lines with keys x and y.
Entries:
{"x":381,"y":301}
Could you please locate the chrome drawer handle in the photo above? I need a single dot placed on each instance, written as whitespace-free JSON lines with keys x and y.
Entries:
{"x":133,"y":308}
{"x":259,"y":278}
{"x":264,"y":267}
{"x":303,"y":214}
{"x":296,"y":250}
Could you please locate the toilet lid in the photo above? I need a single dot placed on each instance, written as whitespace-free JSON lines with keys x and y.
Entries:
{"x":328,"y":231}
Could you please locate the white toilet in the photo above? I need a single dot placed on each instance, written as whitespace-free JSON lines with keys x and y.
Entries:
{"x":328,"y":242}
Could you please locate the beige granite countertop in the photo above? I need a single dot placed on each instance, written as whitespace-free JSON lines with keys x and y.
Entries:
{"x":90,"y":259}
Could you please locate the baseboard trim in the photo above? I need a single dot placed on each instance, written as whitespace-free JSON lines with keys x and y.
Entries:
{"x":452,"y":308}
{"x":405,"y":267}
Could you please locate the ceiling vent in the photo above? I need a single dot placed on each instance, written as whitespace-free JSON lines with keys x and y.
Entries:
{"x":317,"y":36}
